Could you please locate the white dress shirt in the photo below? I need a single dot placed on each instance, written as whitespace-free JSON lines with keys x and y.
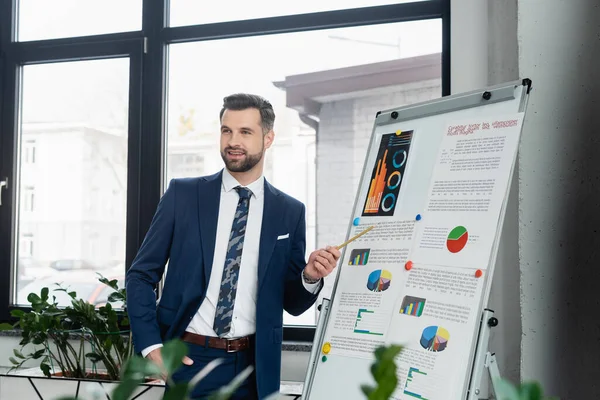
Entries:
{"x":243,"y":322}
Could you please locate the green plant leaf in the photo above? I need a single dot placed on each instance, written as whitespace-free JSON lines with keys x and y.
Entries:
{"x":34,"y":298}
{"x":93,"y":357}
{"x":13,"y":361}
{"x":45,"y":369}
{"x":384,"y":372}
{"x":38,"y":354}
{"x":530,"y":391}
{"x":367,"y":390}
{"x":172,"y":354}
{"x":125,"y":389}
{"x":137,"y":368}
{"x":178,"y":391}
{"x":17,"y":313}
{"x":18,"y":354}
{"x":227,"y":391}
{"x":113,"y":283}
{"x":205,"y":371}
{"x":505,"y":390}
{"x":45,"y":292}
{"x":114,"y":297}
{"x":6,"y":327}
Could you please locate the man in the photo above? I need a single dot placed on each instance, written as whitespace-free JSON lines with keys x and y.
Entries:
{"x":236,"y":252}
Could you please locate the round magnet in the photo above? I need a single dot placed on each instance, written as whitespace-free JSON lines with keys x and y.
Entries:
{"x":408,"y":266}
{"x":324,"y":358}
{"x":478,"y":273}
{"x":356,"y":221}
{"x":418,"y":217}
{"x":398,"y":133}
{"x":326,"y":348}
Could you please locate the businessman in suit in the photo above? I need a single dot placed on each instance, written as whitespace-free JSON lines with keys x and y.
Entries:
{"x":235,"y":247}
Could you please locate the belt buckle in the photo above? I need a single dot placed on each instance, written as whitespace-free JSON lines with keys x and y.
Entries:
{"x":228,"y":346}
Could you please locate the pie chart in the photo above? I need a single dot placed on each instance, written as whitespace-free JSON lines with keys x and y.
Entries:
{"x":435,"y":338}
{"x":379,"y":280}
{"x":457,"y":239}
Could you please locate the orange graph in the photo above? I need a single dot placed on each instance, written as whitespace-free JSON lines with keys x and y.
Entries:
{"x":376,"y":188}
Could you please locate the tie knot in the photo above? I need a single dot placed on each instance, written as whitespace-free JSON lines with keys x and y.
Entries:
{"x":243,"y":192}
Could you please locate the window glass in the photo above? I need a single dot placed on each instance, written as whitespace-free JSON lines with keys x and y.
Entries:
{"x":326,"y":84}
{"x":50,"y":19}
{"x":193,"y":12}
{"x":73,"y":175}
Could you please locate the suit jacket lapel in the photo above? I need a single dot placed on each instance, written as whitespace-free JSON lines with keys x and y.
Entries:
{"x":272,"y":212}
{"x":209,"y":197}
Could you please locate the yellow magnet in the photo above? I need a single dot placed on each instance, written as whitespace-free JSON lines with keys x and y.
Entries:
{"x":326,"y":348}
{"x":398,"y":133}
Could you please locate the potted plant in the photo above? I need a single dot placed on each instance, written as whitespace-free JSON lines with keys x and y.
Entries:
{"x":76,"y":342}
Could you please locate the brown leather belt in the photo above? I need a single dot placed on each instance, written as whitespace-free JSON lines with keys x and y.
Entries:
{"x":230,"y":345}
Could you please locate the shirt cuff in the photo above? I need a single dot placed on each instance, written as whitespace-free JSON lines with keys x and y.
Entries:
{"x":148,"y":349}
{"x":311,"y":287}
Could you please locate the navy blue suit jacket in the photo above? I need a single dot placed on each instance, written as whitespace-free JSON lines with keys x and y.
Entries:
{"x":183,"y":233}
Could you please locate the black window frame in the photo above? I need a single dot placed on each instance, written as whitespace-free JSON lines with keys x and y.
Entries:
{"x":148,"y":50}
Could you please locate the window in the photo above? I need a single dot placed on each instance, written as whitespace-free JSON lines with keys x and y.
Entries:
{"x":97,"y":140}
{"x":181,"y":165}
{"x":74,"y":114}
{"x":190,"y":12}
{"x":26,"y":246}
{"x":28,"y":198}
{"x":43,"y":19}
{"x":29,"y":152}
{"x":323,"y":56}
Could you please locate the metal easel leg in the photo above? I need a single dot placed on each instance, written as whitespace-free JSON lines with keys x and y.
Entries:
{"x":483,"y":358}
{"x":492,"y":365}
{"x":316,"y":347}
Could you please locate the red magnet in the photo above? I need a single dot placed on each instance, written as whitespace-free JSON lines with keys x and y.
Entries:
{"x":408,"y":265}
{"x":478,"y":273}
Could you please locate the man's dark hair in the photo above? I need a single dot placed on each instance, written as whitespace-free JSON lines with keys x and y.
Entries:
{"x":243,"y":101}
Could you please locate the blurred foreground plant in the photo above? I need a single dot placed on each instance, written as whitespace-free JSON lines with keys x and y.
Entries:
{"x":137,"y":369}
{"x":384,"y":372}
{"x":53,"y":327}
{"x":524,"y":391}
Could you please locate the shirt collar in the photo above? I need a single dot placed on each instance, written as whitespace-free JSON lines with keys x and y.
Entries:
{"x":229,"y":183}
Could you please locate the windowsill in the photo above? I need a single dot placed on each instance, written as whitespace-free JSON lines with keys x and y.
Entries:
{"x":286,"y":345}
{"x":296,"y":346}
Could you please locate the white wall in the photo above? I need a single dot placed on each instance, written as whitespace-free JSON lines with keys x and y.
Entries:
{"x":558,"y":190}
{"x":555,"y":43}
{"x":484,"y":51}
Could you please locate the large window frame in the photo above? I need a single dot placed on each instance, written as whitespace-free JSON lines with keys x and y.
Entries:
{"x":147,"y":50}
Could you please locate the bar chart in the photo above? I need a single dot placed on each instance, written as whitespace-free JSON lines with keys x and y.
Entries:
{"x":412,"y":306}
{"x":370,"y":323}
{"x":359,"y":257}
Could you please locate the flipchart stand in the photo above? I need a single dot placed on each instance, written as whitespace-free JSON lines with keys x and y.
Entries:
{"x":484,"y":359}
{"x":324,"y":308}
{"x":331,"y":376}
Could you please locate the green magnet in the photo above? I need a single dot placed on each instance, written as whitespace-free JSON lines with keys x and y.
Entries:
{"x":324,"y":358}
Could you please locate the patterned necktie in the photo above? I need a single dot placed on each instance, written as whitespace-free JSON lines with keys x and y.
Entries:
{"x":229,"y":281}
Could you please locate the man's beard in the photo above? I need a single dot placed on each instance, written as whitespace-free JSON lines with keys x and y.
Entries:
{"x":244,"y":165}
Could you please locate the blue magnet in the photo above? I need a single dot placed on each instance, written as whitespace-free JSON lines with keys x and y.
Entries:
{"x":356,"y":221}
{"x":418,"y":218}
